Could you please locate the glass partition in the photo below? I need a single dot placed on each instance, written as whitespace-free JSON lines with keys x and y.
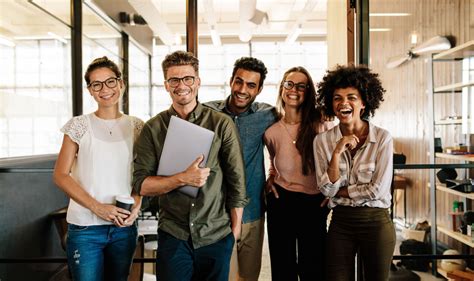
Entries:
{"x":58,"y":8}
{"x":99,"y":39}
{"x":139,"y":83}
{"x":160,"y":99}
{"x":35,"y":79}
{"x":216,"y":64}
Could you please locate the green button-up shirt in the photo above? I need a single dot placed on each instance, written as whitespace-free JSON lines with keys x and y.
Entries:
{"x":205,"y":218}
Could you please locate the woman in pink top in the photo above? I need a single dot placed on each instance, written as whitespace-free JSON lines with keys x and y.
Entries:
{"x":296,"y":218}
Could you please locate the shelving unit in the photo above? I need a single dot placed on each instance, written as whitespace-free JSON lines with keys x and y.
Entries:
{"x":449,"y":122}
{"x":457,"y":236}
{"x":467,"y":157}
{"x":443,"y":188}
{"x":457,"y":54}
{"x":444,"y":273}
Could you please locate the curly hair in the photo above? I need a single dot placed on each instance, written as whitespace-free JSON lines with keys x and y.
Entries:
{"x":358,"y":77}
{"x":310,"y":119}
{"x":177,"y":58}
{"x":102,"y":62}
{"x":251,"y":64}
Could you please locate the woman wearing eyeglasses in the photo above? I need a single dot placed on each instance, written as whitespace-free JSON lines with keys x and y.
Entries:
{"x":296,"y":215}
{"x":94,"y":166}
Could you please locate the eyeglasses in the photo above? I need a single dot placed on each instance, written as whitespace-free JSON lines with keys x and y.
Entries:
{"x":98,"y":85}
{"x":187,"y":80}
{"x":300,"y":87}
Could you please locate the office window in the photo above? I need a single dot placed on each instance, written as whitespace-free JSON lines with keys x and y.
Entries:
{"x":35,"y":83}
{"x":139,"y":81}
{"x":216,"y":65}
{"x":99,"y":39}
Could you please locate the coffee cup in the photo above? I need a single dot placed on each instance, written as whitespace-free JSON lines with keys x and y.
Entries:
{"x":124,"y":201}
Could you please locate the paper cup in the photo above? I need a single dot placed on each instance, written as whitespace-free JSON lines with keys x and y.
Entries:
{"x":124,"y":201}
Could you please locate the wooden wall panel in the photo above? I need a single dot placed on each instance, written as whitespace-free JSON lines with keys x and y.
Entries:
{"x":405,"y":111}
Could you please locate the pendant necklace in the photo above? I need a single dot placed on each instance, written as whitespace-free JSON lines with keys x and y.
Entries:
{"x":110,"y":128}
{"x":293,"y":140}
{"x":107,"y":127}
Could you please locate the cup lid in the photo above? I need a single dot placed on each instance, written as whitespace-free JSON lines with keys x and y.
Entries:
{"x":125,"y":199}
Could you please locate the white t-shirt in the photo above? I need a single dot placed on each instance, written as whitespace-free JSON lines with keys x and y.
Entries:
{"x":103,"y":165}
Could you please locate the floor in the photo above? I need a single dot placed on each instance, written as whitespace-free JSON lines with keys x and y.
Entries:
{"x":265,"y":274}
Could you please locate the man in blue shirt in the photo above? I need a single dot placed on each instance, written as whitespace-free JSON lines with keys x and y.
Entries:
{"x":252,"y":119}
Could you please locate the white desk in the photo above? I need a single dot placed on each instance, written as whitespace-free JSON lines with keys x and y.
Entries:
{"x":147,"y":227}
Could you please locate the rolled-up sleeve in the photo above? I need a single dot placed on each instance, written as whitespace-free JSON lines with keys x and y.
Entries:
{"x":145,"y":159}
{"x":323,"y":153}
{"x":233,"y":166}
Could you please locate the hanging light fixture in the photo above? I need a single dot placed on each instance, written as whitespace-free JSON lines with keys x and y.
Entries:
{"x":291,"y":38}
{"x":216,"y":40}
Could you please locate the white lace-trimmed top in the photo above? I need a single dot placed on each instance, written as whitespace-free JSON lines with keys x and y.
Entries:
{"x":103,"y":165}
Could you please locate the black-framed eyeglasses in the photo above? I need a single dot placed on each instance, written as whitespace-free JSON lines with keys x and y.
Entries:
{"x":300,"y":87}
{"x":98,"y":85}
{"x":187,"y":80}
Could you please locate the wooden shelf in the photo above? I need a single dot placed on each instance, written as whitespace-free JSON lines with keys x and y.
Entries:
{"x":453,"y":87}
{"x":468,"y":157}
{"x":442,"y":187}
{"x":462,"y":51}
{"x":457,"y":236}
{"x":449,"y":122}
{"x":443,"y":272}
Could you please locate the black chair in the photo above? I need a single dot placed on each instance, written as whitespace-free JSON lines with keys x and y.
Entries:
{"x":398,"y":158}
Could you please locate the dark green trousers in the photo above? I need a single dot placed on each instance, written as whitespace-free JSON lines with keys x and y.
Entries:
{"x":367,"y":230}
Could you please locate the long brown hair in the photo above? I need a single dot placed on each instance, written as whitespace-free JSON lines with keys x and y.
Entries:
{"x":310,"y":119}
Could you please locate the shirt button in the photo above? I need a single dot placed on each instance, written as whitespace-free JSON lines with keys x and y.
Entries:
{"x":192,"y":224}
{"x":192,"y":205}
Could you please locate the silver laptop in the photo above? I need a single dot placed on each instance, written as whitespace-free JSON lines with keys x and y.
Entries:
{"x":184,"y":143}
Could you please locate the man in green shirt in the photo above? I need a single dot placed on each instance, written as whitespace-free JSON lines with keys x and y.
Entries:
{"x":195,"y":235}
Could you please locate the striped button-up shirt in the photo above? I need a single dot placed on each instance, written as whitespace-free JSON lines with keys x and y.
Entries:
{"x":367,"y":175}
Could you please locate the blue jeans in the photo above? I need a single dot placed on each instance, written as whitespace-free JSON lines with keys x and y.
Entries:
{"x":177,"y":260}
{"x":100,"y":252}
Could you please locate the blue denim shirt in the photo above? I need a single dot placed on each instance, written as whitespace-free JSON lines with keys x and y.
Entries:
{"x":251,"y":126}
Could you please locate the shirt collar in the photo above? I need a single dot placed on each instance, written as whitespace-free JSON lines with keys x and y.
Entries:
{"x":370,"y":136}
{"x":197,"y":111}
{"x":225,"y":106}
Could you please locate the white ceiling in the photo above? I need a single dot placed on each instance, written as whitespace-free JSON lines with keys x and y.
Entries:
{"x":19,"y":18}
{"x":226,"y":16}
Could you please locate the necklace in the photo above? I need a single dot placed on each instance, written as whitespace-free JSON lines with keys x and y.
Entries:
{"x":293,"y":140}
{"x":290,"y":122}
{"x":107,"y":127}
{"x":110,"y":128}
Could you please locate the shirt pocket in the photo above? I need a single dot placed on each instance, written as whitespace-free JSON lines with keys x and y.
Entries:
{"x":343,"y":172}
{"x":365,"y":172}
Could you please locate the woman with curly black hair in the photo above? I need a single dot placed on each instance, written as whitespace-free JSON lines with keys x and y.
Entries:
{"x":354,"y":169}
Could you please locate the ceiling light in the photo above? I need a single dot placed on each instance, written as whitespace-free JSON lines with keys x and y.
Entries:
{"x":177,"y":39}
{"x":7,"y":42}
{"x":379,"y":29}
{"x":389,"y":14}
{"x":413,"y":38}
{"x":291,"y":38}
{"x":57,"y":37}
{"x":216,"y":40}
